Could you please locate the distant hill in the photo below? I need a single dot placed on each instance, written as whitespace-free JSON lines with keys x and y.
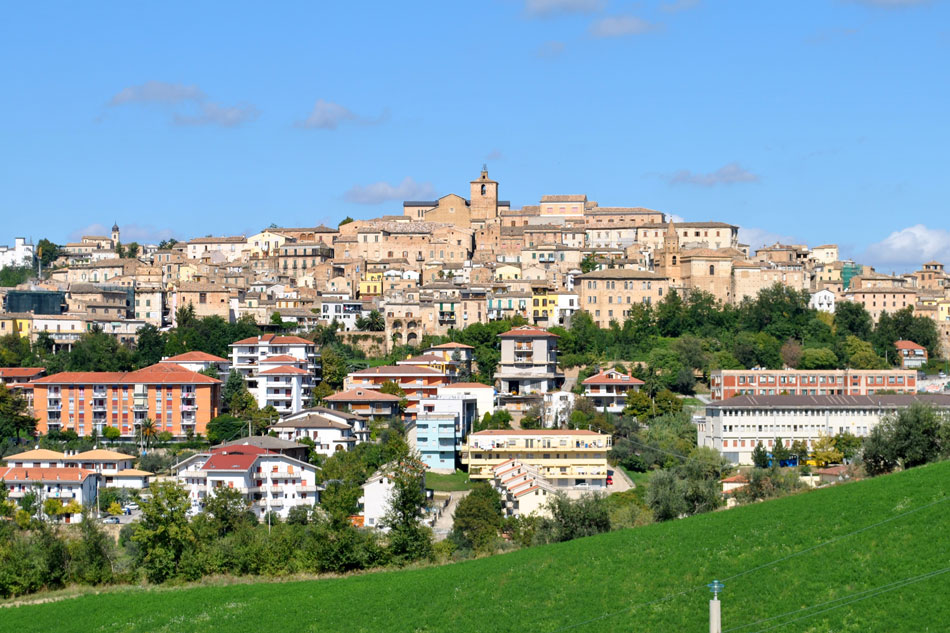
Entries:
{"x":831,"y":546}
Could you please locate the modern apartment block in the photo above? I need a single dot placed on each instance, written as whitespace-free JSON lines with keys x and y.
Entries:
{"x":417,"y":382}
{"x":607,"y":390}
{"x":567,"y":458}
{"x":736,"y":425}
{"x":523,"y":491}
{"x":179,"y":401}
{"x":278,"y":370}
{"x":65,"y":484}
{"x":441,"y":427}
{"x":269,"y":481}
{"x":726,"y":383}
{"x":528,"y":362}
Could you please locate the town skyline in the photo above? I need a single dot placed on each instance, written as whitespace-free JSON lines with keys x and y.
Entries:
{"x":184,"y":132}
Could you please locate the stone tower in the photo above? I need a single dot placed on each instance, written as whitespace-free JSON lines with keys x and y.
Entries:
{"x":666,"y":259}
{"x":484,"y":198}
{"x":115,"y":235}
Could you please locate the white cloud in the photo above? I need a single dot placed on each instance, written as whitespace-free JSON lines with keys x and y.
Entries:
{"x":495,"y":154}
{"x":216,"y":114}
{"x":143,"y":234}
{"x":198,"y":109}
{"x":910,"y":247}
{"x":726,"y":175}
{"x":543,"y":8}
{"x":380,"y":192}
{"x":675,"y":6}
{"x":756,"y":238}
{"x":157,"y":92}
{"x":549,"y":50}
{"x":621,"y":26}
{"x":891,"y":4}
{"x":327,"y":115}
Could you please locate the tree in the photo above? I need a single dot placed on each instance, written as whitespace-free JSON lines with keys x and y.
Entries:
{"x":225,"y":428}
{"x":345,"y":220}
{"x":132,"y":250}
{"x":233,"y":386}
{"x":791,"y":353}
{"x":825,"y":452}
{"x":147,"y":430}
{"x":47,"y":252}
{"x":638,"y":405}
{"x":229,"y":509}
{"x":666,"y":495}
{"x":760,"y":457}
{"x":409,"y":539}
{"x":878,"y":455}
{"x":577,"y":518}
{"x":915,"y":435}
{"x":818,"y":358}
{"x":163,"y":532}
{"x":319,"y":393}
{"x":780,"y":452}
{"x":150,"y":346}
{"x":14,"y":417}
{"x":799,"y":449}
{"x":111,"y":433}
{"x":589,"y":263}
{"x":392,"y":388}
{"x":477,"y":519}
{"x":532,"y":418}
{"x":848,"y":444}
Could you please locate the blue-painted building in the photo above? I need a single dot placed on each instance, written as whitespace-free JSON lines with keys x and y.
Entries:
{"x":440,"y":429}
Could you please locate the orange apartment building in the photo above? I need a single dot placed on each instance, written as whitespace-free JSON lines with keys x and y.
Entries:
{"x":178,"y":400}
{"x":726,"y":383}
{"x":417,"y":382}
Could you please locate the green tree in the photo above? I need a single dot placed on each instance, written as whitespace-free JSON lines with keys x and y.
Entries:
{"x":577,"y":518}
{"x":848,"y":444}
{"x":818,"y":358}
{"x":409,"y":539}
{"x":47,"y":252}
{"x":588,"y":263}
{"x":532,"y":418}
{"x":225,"y":428}
{"x":780,"y":452}
{"x":147,"y":431}
{"x":111,"y":433}
{"x":319,"y":393}
{"x":760,"y":457}
{"x":915,"y":435}
{"x":477,"y":519}
{"x":229,"y":509}
{"x":150,"y":346}
{"x":345,"y":220}
{"x":638,"y":405}
{"x":14,"y":415}
{"x":666,"y":495}
{"x":878,"y":455}
{"x":233,"y":386}
{"x":163,"y":533}
{"x":825,"y":452}
{"x":392,"y":388}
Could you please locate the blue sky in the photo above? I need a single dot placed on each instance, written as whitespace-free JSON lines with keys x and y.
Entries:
{"x":817,"y":120}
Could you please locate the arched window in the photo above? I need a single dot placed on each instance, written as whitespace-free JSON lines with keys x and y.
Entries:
{"x":674,"y":260}
{"x":484,"y":189}
{"x":712,"y":269}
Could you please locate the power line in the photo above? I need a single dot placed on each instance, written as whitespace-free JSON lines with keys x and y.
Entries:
{"x":858,"y":597}
{"x":671,"y":596}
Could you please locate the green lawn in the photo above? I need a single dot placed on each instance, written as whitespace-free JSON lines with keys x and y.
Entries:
{"x":780,"y":557}
{"x":448,"y":483}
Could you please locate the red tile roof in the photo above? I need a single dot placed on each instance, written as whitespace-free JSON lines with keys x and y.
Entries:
{"x":229,"y":461}
{"x":194,"y":357}
{"x":44,"y":474}
{"x":273,"y":339}
{"x":161,"y":373}
{"x":907,"y":345}
{"x":527,"y":331}
{"x":424,"y":358}
{"x":284,"y":370}
{"x":611,"y":377}
{"x":20,"y":372}
{"x":362,"y":395}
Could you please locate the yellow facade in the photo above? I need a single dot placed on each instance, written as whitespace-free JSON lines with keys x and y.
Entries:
{"x":543,"y":306}
{"x":560,"y":455}
{"x":371,"y":283}
{"x":507,"y":273}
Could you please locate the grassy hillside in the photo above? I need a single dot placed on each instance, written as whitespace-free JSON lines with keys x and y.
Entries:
{"x":647,"y":579}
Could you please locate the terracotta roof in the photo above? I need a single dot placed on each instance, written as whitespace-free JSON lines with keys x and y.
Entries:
{"x":36,"y":454}
{"x":133,"y":472}
{"x":284,"y":370}
{"x":612,"y":377}
{"x":424,"y":358}
{"x":162,"y":373}
{"x":362,"y":395}
{"x":907,"y":345}
{"x":273,"y":339}
{"x":44,"y":474}
{"x":452,"y":345}
{"x":20,"y":372}
{"x":736,"y":479}
{"x":194,"y":357}
{"x":230,"y":461}
{"x":551,"y":432}
{"x":400,"y":370}
{"x":98,"y":455}
{"x":527,"y":331}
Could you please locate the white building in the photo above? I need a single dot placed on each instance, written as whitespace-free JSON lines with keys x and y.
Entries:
{"x":268,"y":481}
{"x":608,"y":389}
{"x":116,"y":470}
{"x":201,"y":361}
{"x":440,"y":428}
{"x":291,"y":364}
{"x":65,"y":484}
{"x":557,"y":406}
{"x":377,"y":495}
{"x":20,"y":254}
{"x":330,"y":430}
{"x":484,"y":395}
{"x":524,"y":492}
{"x":345,"y":312}
{"x":736,"y":425}
{"x":823,"y":301}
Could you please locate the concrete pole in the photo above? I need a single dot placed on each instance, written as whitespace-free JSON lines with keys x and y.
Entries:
{"x":715,"y":620}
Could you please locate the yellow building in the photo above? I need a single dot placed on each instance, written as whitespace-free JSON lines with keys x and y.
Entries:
{"x":19,"y":324}
{"x":569,"y":459}
{"x":371,"y":283}
{"x":543,"y":305}
{"x":507,"y":272}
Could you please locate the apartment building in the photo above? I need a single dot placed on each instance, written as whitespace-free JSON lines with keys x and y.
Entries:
{"x":370,"y":403}
{"x":523,"y":491}
{"x":291,"y":364}
{"x":736,"y":425}
{"x":878,"y":300}
{"x":115,"y":469}
{"x":726,"y":383}
{"x":607,"y":390}
{"x":330,"y":431}
{"x":913,"y":356}
{"x":528,"y":362}
{"x":608,"y":295}
{"x":569,"y":459}
{"x":73,"y":487}
{"x":417,"y":382}
{"x":268,"y":481}
{"x":440,"y":428}
{"x":179,"y":401}
{"x":201,"y":361}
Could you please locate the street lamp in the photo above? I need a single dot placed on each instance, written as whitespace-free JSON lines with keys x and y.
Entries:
{"x":715,"y":615}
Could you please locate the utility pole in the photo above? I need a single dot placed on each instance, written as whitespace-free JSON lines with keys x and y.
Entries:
{"x":715,"y":615}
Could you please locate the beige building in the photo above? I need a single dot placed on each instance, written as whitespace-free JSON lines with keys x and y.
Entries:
{"x":607,"y":295}
{"x":879,"y":300}
{"x":479,"y":209}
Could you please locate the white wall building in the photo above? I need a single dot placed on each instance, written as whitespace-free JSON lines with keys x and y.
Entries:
{"x":287,"y":390}
{"x":330,"y":430}
{"x":484,"y":395}
{"x":65,"y":484}
{"x":736,"y":425}
{"x":20,"y":254}
{"x":269,"y":482}
{"x":823,"y":301}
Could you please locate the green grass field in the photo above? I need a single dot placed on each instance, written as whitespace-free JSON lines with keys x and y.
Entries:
{"x":820,"y":548}
{"x":448,"y":483}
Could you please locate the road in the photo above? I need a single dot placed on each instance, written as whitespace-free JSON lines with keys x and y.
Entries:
{"x":443,"y":525}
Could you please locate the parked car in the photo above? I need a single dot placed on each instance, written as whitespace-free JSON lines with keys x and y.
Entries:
{"x":131,"y":507}
{"x":610,"y":480}
{"x":111,"y":520}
